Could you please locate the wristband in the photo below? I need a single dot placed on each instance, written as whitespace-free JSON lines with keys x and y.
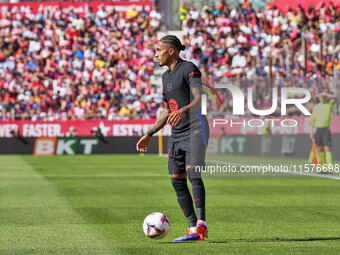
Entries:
{"x":185,"y":109}
{"x":150,"y":132}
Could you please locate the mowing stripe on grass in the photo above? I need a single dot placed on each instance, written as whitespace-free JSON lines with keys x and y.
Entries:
{"x":30,"y":229}
{"x":79,"y":176}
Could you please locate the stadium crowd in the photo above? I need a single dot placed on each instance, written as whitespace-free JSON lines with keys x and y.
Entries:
{"x":242,"y":45}
{"x":229,"y":41}
{"x":63,"y":66}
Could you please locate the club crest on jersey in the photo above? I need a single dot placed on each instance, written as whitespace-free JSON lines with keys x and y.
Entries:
{"x":169,"y":87}
{"x":173,"y":105}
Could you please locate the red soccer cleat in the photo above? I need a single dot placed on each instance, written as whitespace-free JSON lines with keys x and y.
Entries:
{"x":202,"y":228}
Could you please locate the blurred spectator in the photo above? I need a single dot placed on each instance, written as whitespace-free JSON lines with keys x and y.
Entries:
{"x":132,"y":13}
{"x":16,"y":133}
{"x":72,"y":132}
{"x":182,"y":12}
{"x":96,"y":132}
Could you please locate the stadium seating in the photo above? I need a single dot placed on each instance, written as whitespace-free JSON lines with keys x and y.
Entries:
{"x":58,"y":65}
{"x":265,"y":49}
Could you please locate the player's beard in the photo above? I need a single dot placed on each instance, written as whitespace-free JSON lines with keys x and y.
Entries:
{"x":159,"y":63}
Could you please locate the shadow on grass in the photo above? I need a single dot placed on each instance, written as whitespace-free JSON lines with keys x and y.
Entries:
{"x":267,"y":240}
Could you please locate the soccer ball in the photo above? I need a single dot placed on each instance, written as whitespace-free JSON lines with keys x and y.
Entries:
{"x":156,"y":225}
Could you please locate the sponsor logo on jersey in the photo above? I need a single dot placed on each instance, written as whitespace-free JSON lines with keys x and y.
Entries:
{"x":173,"y":105}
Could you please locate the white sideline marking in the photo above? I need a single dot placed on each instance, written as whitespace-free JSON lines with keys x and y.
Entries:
{"x":79,"y":176}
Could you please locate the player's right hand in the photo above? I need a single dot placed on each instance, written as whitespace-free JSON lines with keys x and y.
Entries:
{"x":312,"y":137}
{"x":143,"y":143}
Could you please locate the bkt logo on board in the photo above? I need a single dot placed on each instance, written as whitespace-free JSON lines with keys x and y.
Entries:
{"x":46,"y":146}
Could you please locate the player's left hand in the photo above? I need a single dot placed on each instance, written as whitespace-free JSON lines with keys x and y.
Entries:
{"x":175,"y":117}
{"x":143,"y":143}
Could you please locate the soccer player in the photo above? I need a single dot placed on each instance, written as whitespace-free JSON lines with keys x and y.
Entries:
{"x":190,"y":133}
{"x":321,"y":120}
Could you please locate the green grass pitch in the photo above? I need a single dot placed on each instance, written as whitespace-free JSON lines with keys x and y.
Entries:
{"x":97,"y":204}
